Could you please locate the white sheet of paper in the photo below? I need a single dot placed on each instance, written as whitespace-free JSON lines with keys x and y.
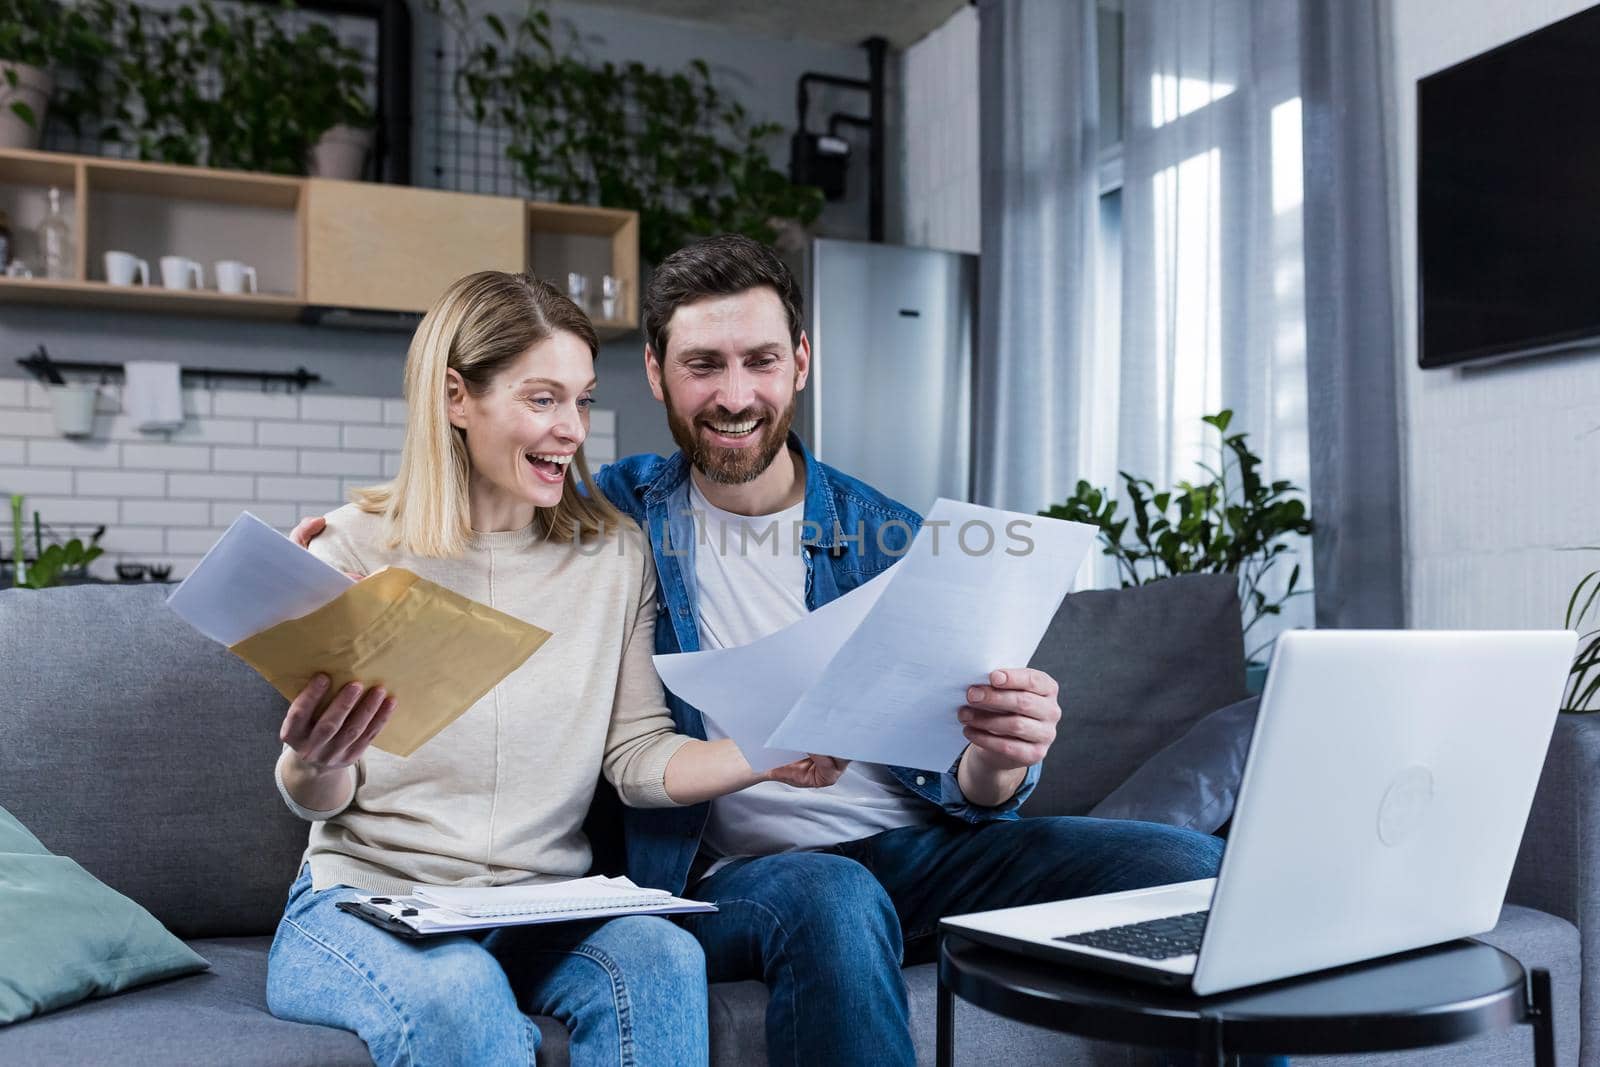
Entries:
{"x":251,"y":579}
{"x":946,"y":619}
{"x":747,"y":690}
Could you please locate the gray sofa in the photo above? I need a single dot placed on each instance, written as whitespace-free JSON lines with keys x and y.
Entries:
{"x":139,"y":749}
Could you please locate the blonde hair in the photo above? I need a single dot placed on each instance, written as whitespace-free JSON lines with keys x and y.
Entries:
{"x":482,"y":323}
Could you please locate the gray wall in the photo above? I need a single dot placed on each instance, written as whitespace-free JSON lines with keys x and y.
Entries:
{"x":762,"y":72}
{"x":1500,"y":459}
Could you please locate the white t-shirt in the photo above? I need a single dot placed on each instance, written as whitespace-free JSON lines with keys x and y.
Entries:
{"x":751,"y":573}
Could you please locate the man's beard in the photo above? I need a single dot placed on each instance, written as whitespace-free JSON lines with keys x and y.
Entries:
{"x":731,"y":466}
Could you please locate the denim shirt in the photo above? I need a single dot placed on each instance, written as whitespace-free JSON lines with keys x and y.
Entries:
{"x":852,"y":534}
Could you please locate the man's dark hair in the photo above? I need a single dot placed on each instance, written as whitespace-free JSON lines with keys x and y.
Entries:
{"x":725,"y":265}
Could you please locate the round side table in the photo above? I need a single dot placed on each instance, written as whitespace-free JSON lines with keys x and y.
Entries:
{"x":1433,"y":996}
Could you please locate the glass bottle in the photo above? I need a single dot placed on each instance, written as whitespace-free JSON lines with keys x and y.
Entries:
{"x":55,"y":240}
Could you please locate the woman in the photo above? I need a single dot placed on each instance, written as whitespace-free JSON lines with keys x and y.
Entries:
{"x":499,"y":381}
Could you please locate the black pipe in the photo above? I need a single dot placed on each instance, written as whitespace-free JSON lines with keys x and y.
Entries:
{"x":876,"y":48}
{"x":837,"y":119}
{"x":803,"y":96}
{"x":391,"y":150}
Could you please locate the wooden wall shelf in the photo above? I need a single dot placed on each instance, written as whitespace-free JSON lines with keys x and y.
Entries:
{"x":314,"y":242}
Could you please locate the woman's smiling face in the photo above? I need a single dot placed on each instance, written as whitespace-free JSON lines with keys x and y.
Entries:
{"x":523,"y":431}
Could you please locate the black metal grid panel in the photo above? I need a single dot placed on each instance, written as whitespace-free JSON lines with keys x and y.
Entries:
{"x":465,"y":156}
{"x":356,"y":31}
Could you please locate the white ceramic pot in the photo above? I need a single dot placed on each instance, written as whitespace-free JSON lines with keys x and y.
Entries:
{"x":32,"y":89}
{"x":74,"y":408}
{"x":340,"y":153}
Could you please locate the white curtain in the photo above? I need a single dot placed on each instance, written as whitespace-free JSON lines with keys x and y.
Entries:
{"x":1213,"y":309}
{"x":1079,"y":382}
{"x":1039,"y":107}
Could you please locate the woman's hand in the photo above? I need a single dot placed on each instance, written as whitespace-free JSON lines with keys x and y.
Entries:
{"x":338,"y":735}
{"x":812,"y":772}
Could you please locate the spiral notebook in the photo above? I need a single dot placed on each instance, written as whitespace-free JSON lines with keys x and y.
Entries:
{"x":432,"y":910}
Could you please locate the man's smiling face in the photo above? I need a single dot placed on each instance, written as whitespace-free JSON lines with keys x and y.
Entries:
{"x":730,"y":379}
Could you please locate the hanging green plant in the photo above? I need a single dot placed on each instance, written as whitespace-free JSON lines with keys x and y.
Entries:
{"x":275,"y":92}
{"x":669,"y":145}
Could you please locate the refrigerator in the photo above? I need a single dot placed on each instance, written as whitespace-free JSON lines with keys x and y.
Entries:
{"x":890,"y":397}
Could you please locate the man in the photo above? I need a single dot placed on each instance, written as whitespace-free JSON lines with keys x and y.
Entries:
{"x":822,"y":893}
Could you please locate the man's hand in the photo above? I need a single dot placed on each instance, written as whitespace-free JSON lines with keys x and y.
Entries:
{"x":306,"y":531}
{"x":1012,"y":720}
{"x":812,"y":772}
{"x":1011,"y":723}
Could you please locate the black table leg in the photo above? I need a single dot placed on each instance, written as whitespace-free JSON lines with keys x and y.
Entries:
{"x":1216,"y":1056}
{"x":1544,"y":1023}
{"x":945,"y":1030}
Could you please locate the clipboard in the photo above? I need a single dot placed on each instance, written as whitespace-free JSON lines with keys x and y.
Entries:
{"x":417,"y":920}
{"x":379,"y":917}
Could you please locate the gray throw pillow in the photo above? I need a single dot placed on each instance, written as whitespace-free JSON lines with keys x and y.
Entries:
{"x":112,"y":702}
{"x":66,"y":936}
{"x":1194,"y":781}
{"x":1137,"y":668}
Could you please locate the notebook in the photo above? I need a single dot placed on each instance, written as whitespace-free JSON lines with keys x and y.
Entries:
{"x":432,"y":910}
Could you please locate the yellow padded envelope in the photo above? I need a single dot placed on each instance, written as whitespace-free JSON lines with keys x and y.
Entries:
{"x":436,"y":652}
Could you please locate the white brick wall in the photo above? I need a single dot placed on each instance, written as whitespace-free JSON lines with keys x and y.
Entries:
{"x":167,"y":497}
{"x":939,"y":96}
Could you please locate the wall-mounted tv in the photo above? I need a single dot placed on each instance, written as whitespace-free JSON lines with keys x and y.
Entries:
{"x":1508,"y":198}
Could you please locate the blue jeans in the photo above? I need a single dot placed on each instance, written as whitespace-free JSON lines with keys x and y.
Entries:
{"x":631,"y":990}
{"x":828,"y":931}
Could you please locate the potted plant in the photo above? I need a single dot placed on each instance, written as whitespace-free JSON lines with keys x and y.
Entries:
{"x":52,"y":562}
{"x":1583,"y":681}
{"x":40,"y":39}
{"x":1233,"y":523}
{"x":332,"y":102}
{"x":670,"y":145}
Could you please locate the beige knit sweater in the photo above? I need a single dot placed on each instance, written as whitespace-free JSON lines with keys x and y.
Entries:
{"x":499,"y":795}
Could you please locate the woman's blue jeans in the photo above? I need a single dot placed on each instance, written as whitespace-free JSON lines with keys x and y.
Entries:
{"x":632,"y":990}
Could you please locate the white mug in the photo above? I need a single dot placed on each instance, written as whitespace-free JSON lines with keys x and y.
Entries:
{"x":232,"y":276}
{"x":178,"y":272}
{"x":121,"y":268}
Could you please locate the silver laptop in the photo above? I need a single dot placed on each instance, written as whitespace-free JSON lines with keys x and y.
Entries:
{"x":1383,"y":801}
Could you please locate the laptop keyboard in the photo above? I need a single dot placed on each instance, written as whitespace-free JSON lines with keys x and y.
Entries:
{"x":1153,"y":939}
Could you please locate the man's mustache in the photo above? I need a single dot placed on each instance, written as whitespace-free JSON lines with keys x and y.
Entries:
{"x":724,"y":415}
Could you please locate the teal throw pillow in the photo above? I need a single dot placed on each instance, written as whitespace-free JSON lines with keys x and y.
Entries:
{"x":66,"y":936}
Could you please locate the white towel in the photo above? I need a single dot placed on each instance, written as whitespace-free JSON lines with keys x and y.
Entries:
{"x":152,"y":395}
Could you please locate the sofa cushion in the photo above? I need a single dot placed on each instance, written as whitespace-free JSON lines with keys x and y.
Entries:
{"x":1137,"y":668}
{"x":1194,"y":781}
{"x":217,"y":1017}
{"x":212,"y":1018}
{"x":144,"y":751}
{"x":221,"y":1016}
{"x":66,"y":936}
